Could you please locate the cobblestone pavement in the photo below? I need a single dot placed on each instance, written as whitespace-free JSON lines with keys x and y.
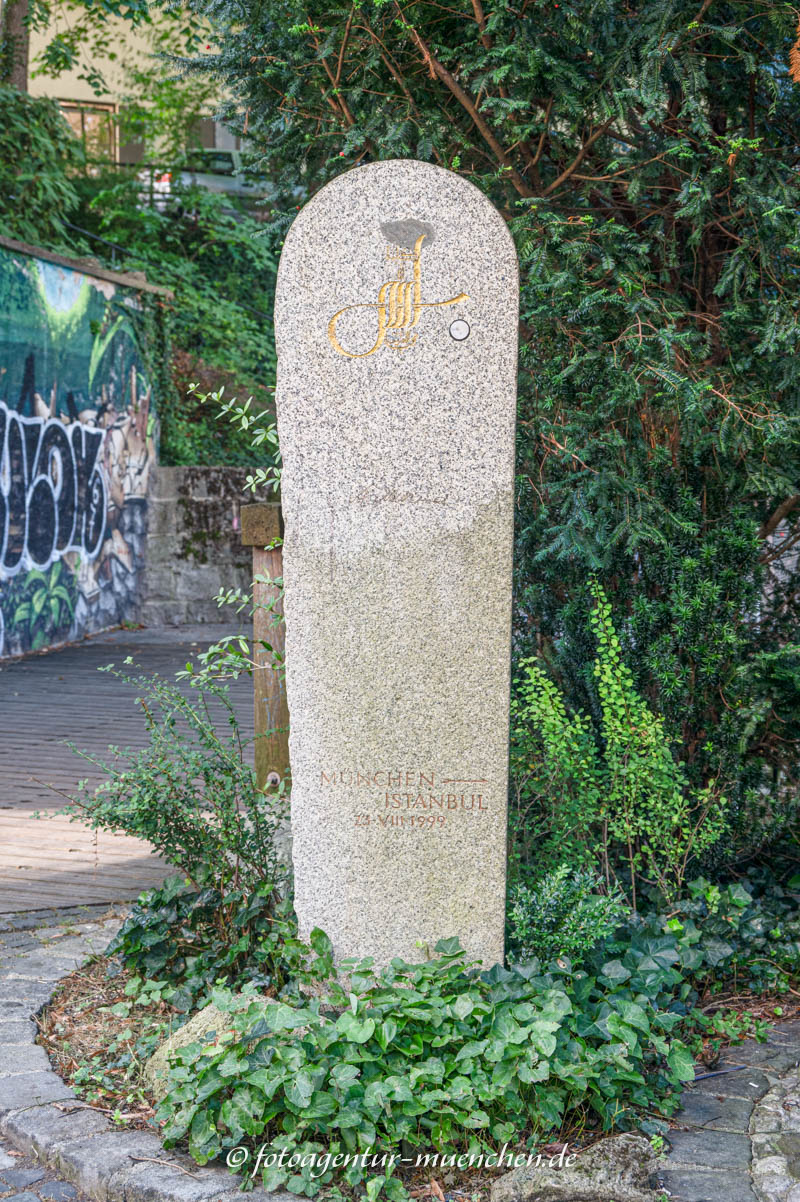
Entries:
{"x":76,"y":1148}
{"x":22,"y":1178}
{"x":738,"y":1134}
{"x":737,"y":1138}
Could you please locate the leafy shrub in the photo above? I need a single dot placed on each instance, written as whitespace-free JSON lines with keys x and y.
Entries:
{"x":189,"y":793}
{"x":220,"y":266}
{"x":433,"y":1055}
{"x":565,"y":914}
{"x":195,"y":433}
{"x":618,"y":795}
{"x":198,"y":938}
{"x":38,"y":154}
{"x":746,"y":933}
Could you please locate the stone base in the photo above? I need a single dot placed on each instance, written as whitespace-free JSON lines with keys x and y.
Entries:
{"x":618,"y":1169}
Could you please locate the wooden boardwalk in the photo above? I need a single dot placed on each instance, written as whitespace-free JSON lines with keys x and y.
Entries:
{"x":61,"y":696}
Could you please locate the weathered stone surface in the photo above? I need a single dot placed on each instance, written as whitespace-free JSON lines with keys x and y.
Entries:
{"x":745,"y":1083}
{"x":770,"y":1057}
{"x":37,"y":1130}
{"x":207,"y":1022}
{"x":775,"y":1131}
{"x":710,"y":1149}
{"x":57,"y":1191}
{"x":718,"y":1114}
{"x":31,"y":1089}
{"x":23,"y":998}
{"x":788,"y":1032}
{"x":148,"y":1182}
{"x":618,"y":1169}
{"x":22,"y":1058}
{"x":92,"y":1163}
{"x":693,"y":1185}
{"x":17,"y":1031}
{"x":397,"y":437}
{"x":771,"y":1179}
{"x":22,"y":1177}
{"x":194,"y":548}
{"x":41,"y":967}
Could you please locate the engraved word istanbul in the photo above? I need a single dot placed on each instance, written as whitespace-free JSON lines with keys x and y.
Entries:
{"x":423,"y":799}
{"x":399,"y":302}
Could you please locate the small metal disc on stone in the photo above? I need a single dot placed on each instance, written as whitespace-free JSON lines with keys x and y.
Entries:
{"x":397,"y":437}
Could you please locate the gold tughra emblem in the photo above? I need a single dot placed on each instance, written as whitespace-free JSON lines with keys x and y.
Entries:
{"x":399,"y":304}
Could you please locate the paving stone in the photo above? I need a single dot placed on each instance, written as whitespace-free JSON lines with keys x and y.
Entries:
{"x":21,"y":1058}
{"x":710,"y":1149}
{"x":717,"y":1114}
{"x":788,"y":1144}
{"x":695,"y":1185}
{"x":788,"y":1031}
{"x":159,"y":1183}
{"x":36,"y":966}
{"x":26,"y":1197}
{"x":63,"y":931}
{"x":76,"y":947}
{"x":30,"y":993}
{"x":22,"y":922}
{"x":40,"y":1129}
{"x":23,"y":1177}
{"x":16,"y":1011}
{"x":32,"y":1089}
{"x":17,"y":939}
{"x":6,"y":1161}
{"x":770,"y":1178}
{"x":773,"y":1058}
{"x":57,"y":1191}
{"x":258,"y":1195}
{"x":17,"y":1031}
{"x":769,"y":1116}
{"x":91,"y":1163}
{"x":746,"y":1083}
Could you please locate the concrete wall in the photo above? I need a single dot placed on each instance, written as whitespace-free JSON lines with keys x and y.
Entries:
{"x":194,"y":546}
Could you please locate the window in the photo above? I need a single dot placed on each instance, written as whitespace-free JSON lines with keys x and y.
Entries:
{"x":96,"y":127}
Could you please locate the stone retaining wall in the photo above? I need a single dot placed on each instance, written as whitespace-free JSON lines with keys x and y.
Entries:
{"x":194,"y":546}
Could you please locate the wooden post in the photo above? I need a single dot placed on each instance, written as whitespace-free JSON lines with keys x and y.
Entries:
{"x":261,"y":527}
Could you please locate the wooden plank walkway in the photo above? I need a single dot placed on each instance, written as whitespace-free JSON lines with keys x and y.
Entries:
{"x":61,"y":696}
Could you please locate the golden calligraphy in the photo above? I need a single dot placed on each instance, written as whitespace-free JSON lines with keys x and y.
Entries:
{"x":398,"y":306}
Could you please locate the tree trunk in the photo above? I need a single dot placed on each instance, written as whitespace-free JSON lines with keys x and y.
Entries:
{"x":16,"y":41}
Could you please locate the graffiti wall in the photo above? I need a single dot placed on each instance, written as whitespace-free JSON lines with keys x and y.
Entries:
{"x":77,"y":444}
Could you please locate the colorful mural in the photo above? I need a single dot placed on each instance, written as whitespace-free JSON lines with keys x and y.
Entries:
{"x":77,"y":442}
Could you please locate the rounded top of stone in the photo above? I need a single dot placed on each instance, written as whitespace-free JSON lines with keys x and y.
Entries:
{"x":399,"y":177}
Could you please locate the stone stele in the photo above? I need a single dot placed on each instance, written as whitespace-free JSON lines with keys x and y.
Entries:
{"x":396,"y":327}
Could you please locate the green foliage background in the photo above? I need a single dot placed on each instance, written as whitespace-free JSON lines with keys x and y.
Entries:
{"x":644,"y":153}
{"x":220,"y":266}
{"x":37,"y":155}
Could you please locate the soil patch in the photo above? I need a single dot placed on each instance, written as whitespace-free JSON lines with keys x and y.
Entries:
{"x":98,"y":1038}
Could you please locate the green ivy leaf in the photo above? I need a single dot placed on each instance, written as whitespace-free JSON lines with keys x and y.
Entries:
{"x":356,"y":1030}
{"x":681,"y":1062}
